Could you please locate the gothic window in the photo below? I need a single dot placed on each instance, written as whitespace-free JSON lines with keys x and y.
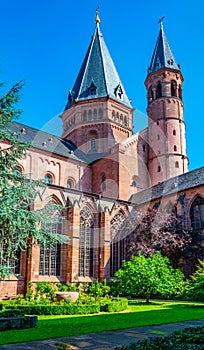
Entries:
{"x":91,"y":140}
{"x":50,"y":255}
{"x":175,"y":148}
{"x":176,"y":164}
{"x":48,"y":178}
{"x":86,"y":244}
{"x":90,"y":115}
{"x":159,"y":90}
{"x":173,"y":88}
{"x":85,"y":116}
{"x":100,"y":114}
{"x":121,"y":119}
{"x":118,"y":231}
{"x":197,"y":213}
{"x":117,"y":117}
{"x":103,"y":182}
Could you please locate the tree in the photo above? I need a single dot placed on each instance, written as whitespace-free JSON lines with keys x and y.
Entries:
{"x":143,"y":276}
{"x":196,"y":283}
{"x":158,"y":231}
{"x":20,"y":227}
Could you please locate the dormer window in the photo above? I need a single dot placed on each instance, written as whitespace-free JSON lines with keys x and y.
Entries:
{"x":92,"y":89}
{"x":119,"y":91}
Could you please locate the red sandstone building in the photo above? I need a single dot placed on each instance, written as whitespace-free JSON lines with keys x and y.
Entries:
{"x":103,"y":172}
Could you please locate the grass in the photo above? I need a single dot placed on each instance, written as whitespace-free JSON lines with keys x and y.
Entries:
{"x":138,"y":314}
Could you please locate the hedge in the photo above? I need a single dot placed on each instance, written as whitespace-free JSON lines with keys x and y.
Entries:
{"x":115,"y":305}
{"x":69,"y":309}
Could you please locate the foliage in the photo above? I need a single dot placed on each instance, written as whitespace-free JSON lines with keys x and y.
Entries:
{"x":143,"y":276}
{"x":20,"y":226}
{"x":98,"y":289}
{"x":195,"y":289}
{"x":157,"y":230}
{"x":188,"y":339}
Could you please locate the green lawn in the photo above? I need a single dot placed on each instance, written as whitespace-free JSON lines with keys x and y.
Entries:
{"x":138,"y":314}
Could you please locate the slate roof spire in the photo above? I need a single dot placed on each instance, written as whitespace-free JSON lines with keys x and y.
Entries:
{"x":162,"y":56}
{"x":98,"y":76}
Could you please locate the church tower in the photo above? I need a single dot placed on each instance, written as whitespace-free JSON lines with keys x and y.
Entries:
{"x":166,"y":127}
{"x":98,"y":113}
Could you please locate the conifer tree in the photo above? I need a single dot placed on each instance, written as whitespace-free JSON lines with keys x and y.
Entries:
{"x":20,"y":227}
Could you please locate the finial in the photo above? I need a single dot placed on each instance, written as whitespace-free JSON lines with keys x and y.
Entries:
{"x":97,"y":20}
{"x":160,"y":21}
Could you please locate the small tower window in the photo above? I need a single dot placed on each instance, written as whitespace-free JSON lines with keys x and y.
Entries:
{"x":144,"y":148}
{"x":90,"y":115}
{"x":173,"y":88}
{"x":113,"y":115}
{"x":180,"y":92}
{"x":158,"y":169}
{"x":175,"y":148}
{"x":95,"y":114}
{"x":117,"y":117}
{"x":92,"y":89}
{"x":84,"y":116}
{"x":176,"y":164}
{"x":119,"y":91}
{"x":121,"y":119}
{"x":159,"y":90}
{"x":157,"y":122}
{"x":103,"y":182}
{"x":125,"y":120}
{"x":174,"y":132}
{"x":48,"y":179}
{"x":100,"y":114}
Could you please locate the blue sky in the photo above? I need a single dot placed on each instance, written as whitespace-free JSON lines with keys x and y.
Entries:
{"x":44,"y":42}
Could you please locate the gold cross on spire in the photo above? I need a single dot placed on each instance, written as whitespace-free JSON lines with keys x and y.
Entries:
{"x":160,"y":21}
{"x":97,"y":20}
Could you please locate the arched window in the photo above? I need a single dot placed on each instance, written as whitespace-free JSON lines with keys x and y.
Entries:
{"x":121,"y":119}
{"x":50,"y":255}
{"x":48,"y":178}
{"x":150,"y":95}
{"x":90,"y":115}
{"x":113,"y":115}
{"x":100,"y":114}
{"x":95,"y":114}
{"x":70,"y":183}
{"x":180,"y":92}
{"x":144,"y":148}
{"x":176,"y":164}
{"x":159,"y":90}
{"x":125,"y":120}
{"x":197,"y":213}
{"x":86,"y":244}
{"x":175,"y":148}
{"x":118,"y":231}
{"x":173,"y":88}
{"x":103,"y":182}
{"x":85,"y":116}
{"x":117,"y":117}
{"x":158,"y":169}
{"x":174,"y":132}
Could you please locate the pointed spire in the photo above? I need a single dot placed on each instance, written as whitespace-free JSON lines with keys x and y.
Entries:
{"x":98,"y":76}
{"x":162,"y":56}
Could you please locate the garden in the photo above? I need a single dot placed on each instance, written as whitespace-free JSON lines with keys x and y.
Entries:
{"x":133,"y":298}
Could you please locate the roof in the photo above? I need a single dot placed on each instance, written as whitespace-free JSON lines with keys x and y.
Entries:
{"x":172,"y":186}
{"x":98,"y":76}
{"x":162,"y":56}
{"x":47,"y":142}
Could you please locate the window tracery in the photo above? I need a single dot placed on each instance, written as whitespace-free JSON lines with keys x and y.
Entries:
{"x":86,"y":244}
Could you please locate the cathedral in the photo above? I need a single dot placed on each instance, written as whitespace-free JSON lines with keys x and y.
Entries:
{"x":102,"y":173}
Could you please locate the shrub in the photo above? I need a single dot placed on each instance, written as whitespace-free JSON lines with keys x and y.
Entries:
{"x":188,"y":339}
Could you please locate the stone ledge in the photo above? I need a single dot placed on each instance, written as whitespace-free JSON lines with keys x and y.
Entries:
{"x":19,"y":322}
